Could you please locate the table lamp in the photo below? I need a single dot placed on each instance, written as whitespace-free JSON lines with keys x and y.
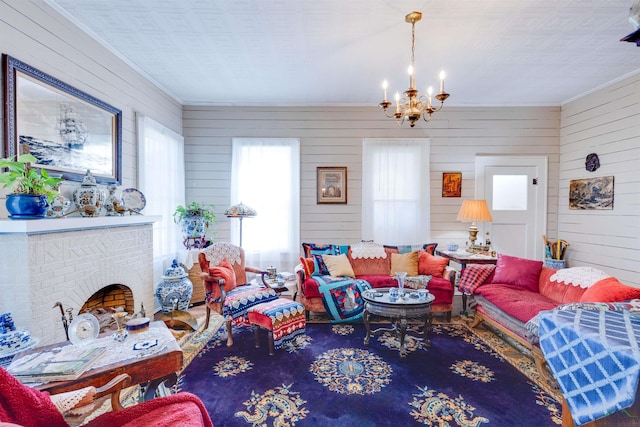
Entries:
{"x":474,"y":211}
{"x":240,"y":211}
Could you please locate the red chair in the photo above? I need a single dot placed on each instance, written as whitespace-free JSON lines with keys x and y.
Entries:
{"x":227,"y":292}
{"x":25,"y":406}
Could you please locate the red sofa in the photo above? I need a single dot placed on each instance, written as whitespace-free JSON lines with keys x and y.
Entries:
{"x":377,"y":271}
{"x":509,"y":295}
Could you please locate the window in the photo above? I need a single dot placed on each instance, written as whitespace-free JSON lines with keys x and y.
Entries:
{"x":509,"y":193}
{"x":161,"y":180}
{"x":265,"y":175}
{"x":395,"y":191}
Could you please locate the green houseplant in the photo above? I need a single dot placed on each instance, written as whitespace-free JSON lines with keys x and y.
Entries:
{"x":31,"y":189}
{"x":195,"y":218}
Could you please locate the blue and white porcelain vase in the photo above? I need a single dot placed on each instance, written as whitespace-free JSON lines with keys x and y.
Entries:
{"x":88,"y":197}
{"x":175,"y":286}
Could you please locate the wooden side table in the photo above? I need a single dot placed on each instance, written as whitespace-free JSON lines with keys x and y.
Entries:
{"x":463,"y":260}
{"x":150,"y":371}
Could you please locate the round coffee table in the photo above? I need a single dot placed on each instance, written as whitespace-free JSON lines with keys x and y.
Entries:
{"x":400,"y":311}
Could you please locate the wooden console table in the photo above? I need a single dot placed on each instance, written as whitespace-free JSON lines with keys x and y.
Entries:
{"x":463,"y":260}
{"x":149,"y":372}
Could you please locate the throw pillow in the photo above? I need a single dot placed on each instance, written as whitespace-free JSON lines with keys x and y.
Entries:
{"x":516,"y":271}
{"x":224,"y":270}
{"x":609,"y":290}
{"x":308,"y":265}
{"x":338,"y":265}
{"x":473,"y":276}
{"x":320,"y":268}
{"x":405,"y":262}
{"x":430,"y":248}
{"x":311,"y":248}
{"x":430,"y":265}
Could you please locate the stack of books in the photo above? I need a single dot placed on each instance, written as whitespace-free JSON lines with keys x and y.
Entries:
{"x":60,"y":364}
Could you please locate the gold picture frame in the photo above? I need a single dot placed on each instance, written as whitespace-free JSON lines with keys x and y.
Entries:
{"x":332,"y":184}
{"x":451,"y":184}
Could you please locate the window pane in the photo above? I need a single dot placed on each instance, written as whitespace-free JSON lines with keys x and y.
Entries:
{"x":509,"y":193}
{"x":395,"y":191}
{"x":265,"y":177}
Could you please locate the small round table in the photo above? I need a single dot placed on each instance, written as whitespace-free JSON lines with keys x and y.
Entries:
{"x":408,"y":307}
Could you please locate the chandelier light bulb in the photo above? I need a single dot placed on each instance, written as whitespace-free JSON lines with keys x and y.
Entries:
{"x":385,"y":85}
{"x":412,"y":80}
{"x":442,"y":75}
{"x":397,"y":102}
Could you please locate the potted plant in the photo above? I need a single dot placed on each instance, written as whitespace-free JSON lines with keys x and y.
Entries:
{"x":31,"y":189}
{"x":195,"y":219}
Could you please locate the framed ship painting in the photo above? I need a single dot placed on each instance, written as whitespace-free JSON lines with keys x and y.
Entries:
{"x":67,"y":130}
{"x":591,"y":193}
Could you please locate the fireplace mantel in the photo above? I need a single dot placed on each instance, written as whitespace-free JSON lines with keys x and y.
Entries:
{"x":58,"y":225}
{"x":67,"y":260}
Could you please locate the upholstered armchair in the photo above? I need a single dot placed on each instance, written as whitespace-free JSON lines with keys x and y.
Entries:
{"x":224,"y":276}
{"x":24,"y":406}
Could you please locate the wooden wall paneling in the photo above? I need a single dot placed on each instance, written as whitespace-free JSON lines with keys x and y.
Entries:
{"x":606,"y":122}
{"x":333,"y":137}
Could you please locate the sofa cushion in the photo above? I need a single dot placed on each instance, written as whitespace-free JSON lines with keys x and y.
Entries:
{"x":516,"y":271}
{"x":552,"y":285}
{"x":379,"y":280}
{"x":516,"y":301}
{"x":338,"y":265}
{"x":224,"y":270}
{"x":405,"y":262}
{"x":430,"y":265}
{"x":362,"y":266}
{"x":610,"y":290}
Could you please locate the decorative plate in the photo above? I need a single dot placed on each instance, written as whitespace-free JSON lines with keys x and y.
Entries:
{"x":83,"y":329}
{"x":133,"y":199}
{"x":14,"y":342}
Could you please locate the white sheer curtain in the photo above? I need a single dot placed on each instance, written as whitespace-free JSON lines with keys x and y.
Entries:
{"x":395,"y":190}
{"x":265,"y":175}
{"x":161,"y":180}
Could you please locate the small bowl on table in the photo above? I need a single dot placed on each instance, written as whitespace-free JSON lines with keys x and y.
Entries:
{"x":139,"y":324}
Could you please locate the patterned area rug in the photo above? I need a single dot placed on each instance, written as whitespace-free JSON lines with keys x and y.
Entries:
{"x":329,"y":378}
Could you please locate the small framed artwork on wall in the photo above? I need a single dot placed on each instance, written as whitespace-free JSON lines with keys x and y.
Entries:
{"x":451,"y":184}
{"x":332,"y":184}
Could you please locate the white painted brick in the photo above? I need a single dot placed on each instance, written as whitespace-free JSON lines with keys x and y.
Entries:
{"x":69,"y":267}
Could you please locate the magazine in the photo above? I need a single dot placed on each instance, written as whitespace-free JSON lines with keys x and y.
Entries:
{"x":60,"y":364}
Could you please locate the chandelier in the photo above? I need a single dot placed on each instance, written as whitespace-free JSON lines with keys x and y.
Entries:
{"x":413,"y":105}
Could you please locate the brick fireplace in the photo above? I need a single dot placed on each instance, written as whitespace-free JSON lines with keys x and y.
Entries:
{"x":69,"y":260}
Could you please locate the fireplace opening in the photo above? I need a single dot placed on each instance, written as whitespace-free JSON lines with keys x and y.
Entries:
{"x":103,"y":303}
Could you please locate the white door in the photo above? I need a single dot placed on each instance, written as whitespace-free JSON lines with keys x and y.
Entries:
{"x":515,"y":188}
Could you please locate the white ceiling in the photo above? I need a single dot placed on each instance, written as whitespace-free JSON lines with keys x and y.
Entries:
{"x":337,"y":52}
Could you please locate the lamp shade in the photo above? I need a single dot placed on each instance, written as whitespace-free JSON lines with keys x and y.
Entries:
{"x":240,"y":211}
{"x":474,"y":210}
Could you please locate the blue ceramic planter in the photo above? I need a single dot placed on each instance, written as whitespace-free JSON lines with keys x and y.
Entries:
{"x":26,"y":206}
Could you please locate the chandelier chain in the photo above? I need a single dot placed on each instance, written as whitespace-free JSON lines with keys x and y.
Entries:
{"x":413,"y":43}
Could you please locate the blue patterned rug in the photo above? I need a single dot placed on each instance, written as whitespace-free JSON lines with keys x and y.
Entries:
{"x":329,"y":378}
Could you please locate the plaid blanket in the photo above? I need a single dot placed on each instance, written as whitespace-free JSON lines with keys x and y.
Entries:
{"x":473,"y":276}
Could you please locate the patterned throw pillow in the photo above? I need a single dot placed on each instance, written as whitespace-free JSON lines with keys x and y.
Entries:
{"x":308,"y":265}
{"x":473,"y":276}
